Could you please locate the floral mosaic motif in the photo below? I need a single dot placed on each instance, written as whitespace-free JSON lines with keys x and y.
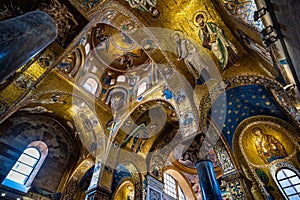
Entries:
{"x":224,"y":158}
{"x":72,"y":188}
{"x":179,"y":95}
{"x":236,"y":189}
{"x":51,"y":98}
{"x":244,"y":10}
{"x":167,"y":72}
{"x":225,"y":190}
{"x":37,"y":109}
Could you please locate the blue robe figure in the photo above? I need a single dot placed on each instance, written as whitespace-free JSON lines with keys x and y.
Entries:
{"x":167,"y":93}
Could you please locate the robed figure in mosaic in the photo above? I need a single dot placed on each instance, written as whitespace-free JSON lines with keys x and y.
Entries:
{"x":268,"y":147}
{"x":187,"y":51}
{"x":214,"y":39}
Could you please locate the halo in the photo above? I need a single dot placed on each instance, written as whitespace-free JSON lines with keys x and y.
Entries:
{"x":196,"y":14}
{"x":175,"y":32}
{"x":258,"y":127}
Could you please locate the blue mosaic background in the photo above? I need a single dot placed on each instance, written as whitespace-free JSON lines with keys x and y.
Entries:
{"x":240,"y":103}
{"x":120,"y":173}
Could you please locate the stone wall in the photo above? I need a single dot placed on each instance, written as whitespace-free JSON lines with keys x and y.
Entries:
{"x":17,"y":132}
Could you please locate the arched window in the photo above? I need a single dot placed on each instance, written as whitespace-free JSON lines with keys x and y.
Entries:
{"x":91,"y":85}
{"x":24,"y":166}
{"x":180,"y":193}
{"x":142,"y":88}
{"x":289,"y":182}
{"x":24,"y":170}
{"x":121,"y":78}
{"x":172,"y":188}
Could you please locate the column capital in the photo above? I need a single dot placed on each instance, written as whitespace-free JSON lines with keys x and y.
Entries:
{"x":98,"y":193}
{"x":198,"y":148}
{"x":202,"y":160}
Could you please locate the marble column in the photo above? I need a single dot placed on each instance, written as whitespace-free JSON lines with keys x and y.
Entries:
{"x":208,"y":181}
{"x":23,"y":37}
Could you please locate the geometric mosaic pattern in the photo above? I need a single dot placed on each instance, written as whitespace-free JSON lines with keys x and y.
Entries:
{"x":224,"y":158}
{"x":244,"y":10}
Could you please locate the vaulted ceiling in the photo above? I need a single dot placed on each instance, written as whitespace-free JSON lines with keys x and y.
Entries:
{"x":115,"y":63}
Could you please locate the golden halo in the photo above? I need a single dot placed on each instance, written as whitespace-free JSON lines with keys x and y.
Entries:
{"x":258,"y":127}
{"x":196,"y":14}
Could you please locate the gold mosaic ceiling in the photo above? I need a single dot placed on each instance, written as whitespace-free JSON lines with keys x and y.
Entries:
{"x":124,"y":44}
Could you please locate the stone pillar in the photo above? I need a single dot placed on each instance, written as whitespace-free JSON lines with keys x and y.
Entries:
{"x":21,"y":38}
{"x":98,"y":193}
{"x":96,"y":190}
{"x":208,"y":181}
